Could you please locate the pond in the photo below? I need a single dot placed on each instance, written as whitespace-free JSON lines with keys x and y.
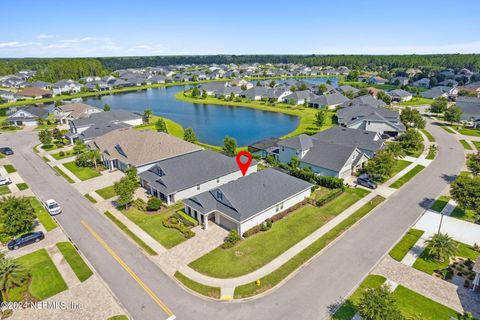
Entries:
{"x":211,"y":123}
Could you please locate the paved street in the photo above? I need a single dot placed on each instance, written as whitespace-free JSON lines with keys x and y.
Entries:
{"x":307,"y":295}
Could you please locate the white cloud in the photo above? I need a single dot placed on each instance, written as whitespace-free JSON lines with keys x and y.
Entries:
{"x":45,"y":36}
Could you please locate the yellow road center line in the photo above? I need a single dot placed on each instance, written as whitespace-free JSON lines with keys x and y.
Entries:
{"x":129,"y":271}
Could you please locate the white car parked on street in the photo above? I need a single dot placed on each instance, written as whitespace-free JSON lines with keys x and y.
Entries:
{"x":52,"y":207}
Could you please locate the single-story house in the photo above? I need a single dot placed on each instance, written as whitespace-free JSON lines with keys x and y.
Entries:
{"x":66,"y":86}
{"x":336,"y":152}
{"x":366,"y":117}
{"x":141,"y":149}
{"x":424,"y":82}
{"x":365,"y":100}
{"x":212,"y":87}
{"x":33,"y":93}
{"x":27,"y":116}
{"x":440,"y":91}
{"x":179,"y":177}
{"x":72,"y":111}
{"x":100,"y":123}
{"x":402,"y":81}
{"x":8,"y":96}
{"x":377,"y":80}
{"x":299,"y":97}
{"x":329,"y":101}
{"x":399,"y":95}
{"x":247,"y":202}
{"x":346,"y":88}
{"x":255,"y":93}
{"x":470,"y":107}
{"x":265,"y":148}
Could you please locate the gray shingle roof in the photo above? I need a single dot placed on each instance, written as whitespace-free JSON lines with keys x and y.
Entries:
{"x":330,"y":99}
{"x":366,"y":99}
{"x":104,"y":117}
{"x":435,"y":92}
{"x":328,"y":155}
{"x":351,"y":115}
{"x":250,"y":195}
{"x":361,"y":139}
{"x":470,"y":107}
{"x":188,"y":170}
{"x":300,"y":142}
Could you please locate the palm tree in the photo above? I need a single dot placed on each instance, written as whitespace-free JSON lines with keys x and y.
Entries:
{"x":147,"y":114}
{"x":442,"y":247}
{"x":12,"y":274}
{"x":93,"y":155}
{"x":396,"y":149}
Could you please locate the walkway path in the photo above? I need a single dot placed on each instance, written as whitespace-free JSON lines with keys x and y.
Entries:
{"x":416,"y":250}
{"x":446,"y":293}
{"x":192,"y":249}
{"x":63,"y":267}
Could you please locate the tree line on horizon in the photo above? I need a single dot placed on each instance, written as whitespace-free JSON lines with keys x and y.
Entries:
{"x":54,"y":69}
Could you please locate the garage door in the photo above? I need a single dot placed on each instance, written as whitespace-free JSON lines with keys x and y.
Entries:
{"x":227,"y":224}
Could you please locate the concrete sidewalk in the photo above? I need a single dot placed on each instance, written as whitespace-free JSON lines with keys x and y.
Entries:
{"x":462,"y":231}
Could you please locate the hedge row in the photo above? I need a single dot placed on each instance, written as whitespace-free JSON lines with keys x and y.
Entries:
{"x":312,"y":177}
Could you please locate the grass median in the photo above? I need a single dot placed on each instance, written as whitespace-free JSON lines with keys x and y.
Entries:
{"x":405,"y":244}
{"x":63,"y":174}
{"x":275,"y":277}
{"x":212,"y":292}
{"x":407,"y":177}
{"x":75,"y":261}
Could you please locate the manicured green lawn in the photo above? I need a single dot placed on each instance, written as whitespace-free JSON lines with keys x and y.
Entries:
{"x":405,"y":244}
{"x":476,"y":144}
{"x":431,"y":154}
{"x":152,"y":224}
{"x":82,"y":173}
{"x":119,"y":317}
{"x":22,"y":186}
{"x":9,"y":168}
{"x":407,"y":177}
{"x":75,"y":261}
{"x":213,"y":292}
{"x":46,"y":280}
{"x":412,"y":304}
{"x":465,"y":144}
{"x":132,"y":235}
{"x":66,"y":154}
{"x":273,"y":278}
{"x":417,"y":101}
{"x":467,"y":215}
{"x":63,"y":174}
{"x":468,"y":131}
{"x":440,"y":203}
{"x":409,"y":302}
{"x":256,"y":251}
{"x":349,"y":309}
{"x":173,"y":128}
{"x":4,"y":190}
{"x":106,"y":193}
{"x":428,"y":135}
{"x":90,"y":198}
{"x":43,"y":216}
{"x":428,"y":265}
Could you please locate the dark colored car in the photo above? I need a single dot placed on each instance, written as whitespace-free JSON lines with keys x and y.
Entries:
{"x":366,"y":183}
{"x":6,"y":151}
{"x":26,"y":239}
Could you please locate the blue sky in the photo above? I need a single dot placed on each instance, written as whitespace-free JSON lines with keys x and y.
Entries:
{"x":125,"y":28}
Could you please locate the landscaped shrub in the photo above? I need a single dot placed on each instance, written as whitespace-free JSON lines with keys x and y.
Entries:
{"x":139,"y":204}
{"x":176,"y":223}
{"x":154,"y":204}
{"x":310,"y":176}
{"x":232,"y":238}
{"x":251,"y":231}
{"x":61,"y":154}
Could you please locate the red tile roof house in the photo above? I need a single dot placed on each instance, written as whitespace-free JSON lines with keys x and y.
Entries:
{"x":33,"y":93}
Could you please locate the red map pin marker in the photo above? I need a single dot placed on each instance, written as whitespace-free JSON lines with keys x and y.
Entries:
{"x":244,"y":158}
